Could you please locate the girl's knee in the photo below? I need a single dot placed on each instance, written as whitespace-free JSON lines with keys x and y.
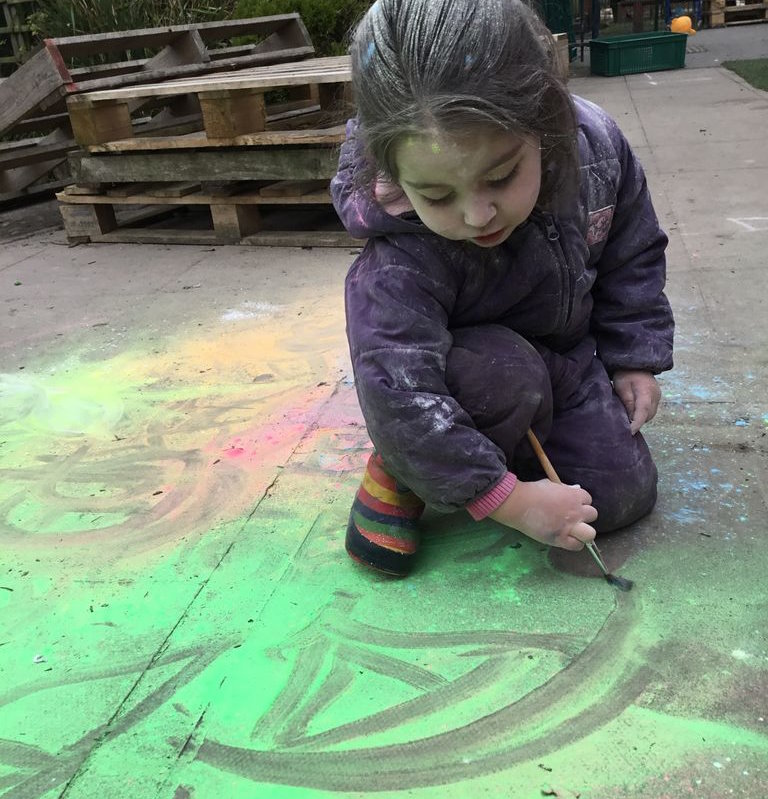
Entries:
{"x":493,"y":372}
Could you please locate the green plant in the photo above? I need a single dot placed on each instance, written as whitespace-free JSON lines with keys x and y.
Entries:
{"x":328,"y":21}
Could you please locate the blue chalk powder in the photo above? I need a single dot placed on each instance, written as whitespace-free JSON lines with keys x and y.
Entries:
{"x":368,"y":55}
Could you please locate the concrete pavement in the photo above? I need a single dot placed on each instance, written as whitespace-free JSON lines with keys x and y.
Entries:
{"x":179,"y":445}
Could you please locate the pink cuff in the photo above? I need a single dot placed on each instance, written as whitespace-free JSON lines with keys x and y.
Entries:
{"x":487,"y":503}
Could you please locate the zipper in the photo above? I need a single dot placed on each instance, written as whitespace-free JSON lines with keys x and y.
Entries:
{"x":553,"y":236}
{"x":552,"y":231}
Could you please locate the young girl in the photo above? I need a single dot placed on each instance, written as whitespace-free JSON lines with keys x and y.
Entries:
{"x":513,"y":278}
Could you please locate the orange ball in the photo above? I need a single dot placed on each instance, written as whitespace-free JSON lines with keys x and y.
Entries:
{"x":682,"y":25}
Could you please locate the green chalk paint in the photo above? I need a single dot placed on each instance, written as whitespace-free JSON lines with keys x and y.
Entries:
{"x":214,"y":638}
{"x":37,"y":517}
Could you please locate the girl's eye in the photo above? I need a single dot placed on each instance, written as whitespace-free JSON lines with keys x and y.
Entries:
{"x":506,"y":179}
{"x":439,"y":201}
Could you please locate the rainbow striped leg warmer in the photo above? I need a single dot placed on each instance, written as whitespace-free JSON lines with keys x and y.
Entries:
{"x":382,"y":525}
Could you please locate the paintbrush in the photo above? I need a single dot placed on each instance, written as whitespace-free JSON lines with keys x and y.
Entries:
{"x":619,"y":582}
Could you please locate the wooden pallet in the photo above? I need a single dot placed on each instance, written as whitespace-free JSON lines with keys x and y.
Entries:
{"x":232,"y":213}
{"x":33,"y":98}
{"x":209,"y":165}
{"x":231,"y":104}
{"x":735,"y":14}
{"x":42,"y":84}
{"x":198,"y":140}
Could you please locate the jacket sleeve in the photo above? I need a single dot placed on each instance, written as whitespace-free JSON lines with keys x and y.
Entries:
{"x":397,"y":317}
{"x":632,"y":320}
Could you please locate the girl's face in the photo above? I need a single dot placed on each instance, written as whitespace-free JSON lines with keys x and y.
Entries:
{"x":476,"y":188}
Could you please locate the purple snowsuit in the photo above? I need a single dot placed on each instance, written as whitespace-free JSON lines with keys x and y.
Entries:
{"x":457,"y":349}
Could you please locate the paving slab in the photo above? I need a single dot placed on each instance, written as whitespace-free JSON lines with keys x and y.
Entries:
{"x":179,"y":446}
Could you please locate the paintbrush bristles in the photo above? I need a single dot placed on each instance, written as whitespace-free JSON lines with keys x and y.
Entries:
{"x":622,"y":583}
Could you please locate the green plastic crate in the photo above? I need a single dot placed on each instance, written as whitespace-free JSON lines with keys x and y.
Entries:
{"x":637,"y":52}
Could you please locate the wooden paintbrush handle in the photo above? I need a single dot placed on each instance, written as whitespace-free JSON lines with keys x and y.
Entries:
{"x":546,"y":464}
{"x":549,"y":470}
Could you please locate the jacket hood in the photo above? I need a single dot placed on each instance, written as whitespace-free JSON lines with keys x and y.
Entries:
{"x":363,"y":214}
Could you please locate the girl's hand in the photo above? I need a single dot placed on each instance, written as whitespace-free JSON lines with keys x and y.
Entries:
{"x":640,"y":394}
{"x":554,"y":514}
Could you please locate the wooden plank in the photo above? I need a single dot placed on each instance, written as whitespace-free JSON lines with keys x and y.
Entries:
{"x":285,"y":115}
{"x":328,"y":136}
{"x":265,"y":51}
{"x":152,"y":38}
{"x":45,"y":77}
{"x":138,"y":77}
{"x":233,"y":51}
{"x":232,"y":113}
{"x":334,"y":69}
{"x":38,"y":124}
{"x":232,"y":195}
{"x":34,"y":154}
{"x":221,"y":59}
{"x":266,"y":238}
{"x":125,"y":235}
{"x":295,"y":188}
{"x":19,"y":144}
{"x":186,"y":48}
{"x":30,"y":86}
{"x":294,"y":34}
{"x":83,"y":189}
{"x":93,"y":71}
{"x":287,"y":163}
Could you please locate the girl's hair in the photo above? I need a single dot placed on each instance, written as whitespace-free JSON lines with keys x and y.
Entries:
{"x":451,"y":66}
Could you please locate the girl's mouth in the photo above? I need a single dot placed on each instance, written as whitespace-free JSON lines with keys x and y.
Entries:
{"x":490,"y":239}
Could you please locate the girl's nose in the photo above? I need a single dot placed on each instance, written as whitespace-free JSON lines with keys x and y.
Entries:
{"x":478,"y":212}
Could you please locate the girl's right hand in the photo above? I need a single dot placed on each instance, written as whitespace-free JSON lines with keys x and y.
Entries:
{"x":554,"y":514}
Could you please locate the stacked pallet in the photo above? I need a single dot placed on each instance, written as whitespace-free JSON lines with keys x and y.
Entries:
{"x":259,"y":167}
{"x":33,"y":99}
{"x":739,"y":12}
{"x":714,"y":13}
{"x":718,"y":13}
